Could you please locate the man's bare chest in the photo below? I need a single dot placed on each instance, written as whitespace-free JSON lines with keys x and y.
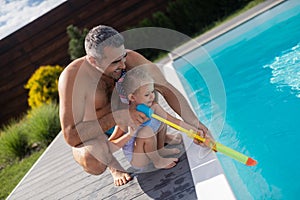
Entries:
{"x":103,"y":95}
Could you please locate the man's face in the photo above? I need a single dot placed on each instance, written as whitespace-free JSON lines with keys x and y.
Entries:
{"x":113,"y":61}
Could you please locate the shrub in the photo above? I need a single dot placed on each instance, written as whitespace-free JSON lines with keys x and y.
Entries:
{"x":190,"y":17}
{"x":22,"y":137}
{"x":13,"y":143}
{"x":42,"y":85}
{"x":76,"y":43}
{"x":42,"y":124}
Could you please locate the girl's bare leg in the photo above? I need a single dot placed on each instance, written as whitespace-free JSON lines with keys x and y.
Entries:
{"x":146,"y":150}
{"x":162,"y":138}
{"x":175,"y":138}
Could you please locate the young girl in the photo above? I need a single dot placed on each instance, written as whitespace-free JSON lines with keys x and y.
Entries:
{"x":146,"y":143}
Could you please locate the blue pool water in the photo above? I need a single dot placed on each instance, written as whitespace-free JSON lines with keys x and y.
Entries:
{"x":256,"y":107}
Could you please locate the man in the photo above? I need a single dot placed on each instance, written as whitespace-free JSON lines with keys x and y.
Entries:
{"x":85,"y":90}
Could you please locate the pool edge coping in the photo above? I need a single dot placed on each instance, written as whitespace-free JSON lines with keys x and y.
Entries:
{"x":223,"y":28}
{"x":205,"y":189}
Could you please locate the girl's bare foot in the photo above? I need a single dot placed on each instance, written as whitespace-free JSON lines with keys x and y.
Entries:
{"x":165,"y":163}
{"x":168,"y":152}
{"x":174,"y":138}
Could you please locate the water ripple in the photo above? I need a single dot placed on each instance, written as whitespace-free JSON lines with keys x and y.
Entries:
{"x":286,"y":70}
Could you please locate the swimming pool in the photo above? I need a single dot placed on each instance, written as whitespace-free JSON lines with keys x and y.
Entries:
{"x":259,"y":63}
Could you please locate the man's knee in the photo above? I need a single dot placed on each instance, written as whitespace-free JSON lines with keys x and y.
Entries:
{"x":93,"y":166}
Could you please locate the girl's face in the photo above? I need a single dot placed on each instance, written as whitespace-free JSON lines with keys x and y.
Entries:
{"x":144,"y":95}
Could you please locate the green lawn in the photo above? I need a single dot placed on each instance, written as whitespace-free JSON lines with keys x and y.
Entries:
{"x":11,"y":175}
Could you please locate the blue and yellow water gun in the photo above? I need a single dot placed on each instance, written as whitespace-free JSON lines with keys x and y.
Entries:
{"x":217,"y":147}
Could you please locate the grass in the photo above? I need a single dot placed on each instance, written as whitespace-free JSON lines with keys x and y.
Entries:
{"x":11,"y":175}
{"x":42,"y":124}
{"x":23,"y":141}
{"x":233,"y":15}
{"x":37,"y":129}
{"x":217,"y":23}
{"x":13,"y":143}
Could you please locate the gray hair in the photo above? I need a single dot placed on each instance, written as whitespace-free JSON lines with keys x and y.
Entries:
{"x":100,"y":37}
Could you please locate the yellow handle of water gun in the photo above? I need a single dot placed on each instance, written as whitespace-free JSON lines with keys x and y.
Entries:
{"x":209,"y":143}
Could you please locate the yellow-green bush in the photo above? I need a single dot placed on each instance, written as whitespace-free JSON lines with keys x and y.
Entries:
{"x":43,"y":85}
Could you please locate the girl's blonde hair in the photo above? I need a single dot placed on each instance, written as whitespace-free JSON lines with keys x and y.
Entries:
{"x":134,"y":79}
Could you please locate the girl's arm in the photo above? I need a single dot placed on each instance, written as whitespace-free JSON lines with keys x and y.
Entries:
{"x":161,"y":112}
{"x":120,"y":136}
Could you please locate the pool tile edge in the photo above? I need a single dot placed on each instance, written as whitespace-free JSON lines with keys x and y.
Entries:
{"x":207,"y":172}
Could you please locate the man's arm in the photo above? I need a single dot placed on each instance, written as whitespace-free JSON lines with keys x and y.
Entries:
{"x":180,"y":105}
{"x":71,"y":123}
{"x":174,"y":98}
{"x":72,"y":109}
{"x":164,"y":114}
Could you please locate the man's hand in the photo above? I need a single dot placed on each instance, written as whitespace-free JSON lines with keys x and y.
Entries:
{"x":137,"y":118}
{"x":204,"y":133}
{"x":130,"y":117}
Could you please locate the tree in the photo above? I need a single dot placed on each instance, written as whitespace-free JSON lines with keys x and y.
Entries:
{"x":76,"y":43}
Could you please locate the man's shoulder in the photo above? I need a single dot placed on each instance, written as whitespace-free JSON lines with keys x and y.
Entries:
{"x":73,"y":67}
{"x":134,"y":59}
{"x":69,"y":74}
{"x":75,"y":64}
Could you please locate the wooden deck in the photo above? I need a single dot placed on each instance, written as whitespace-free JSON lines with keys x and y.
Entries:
{"x":57,"y":176}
